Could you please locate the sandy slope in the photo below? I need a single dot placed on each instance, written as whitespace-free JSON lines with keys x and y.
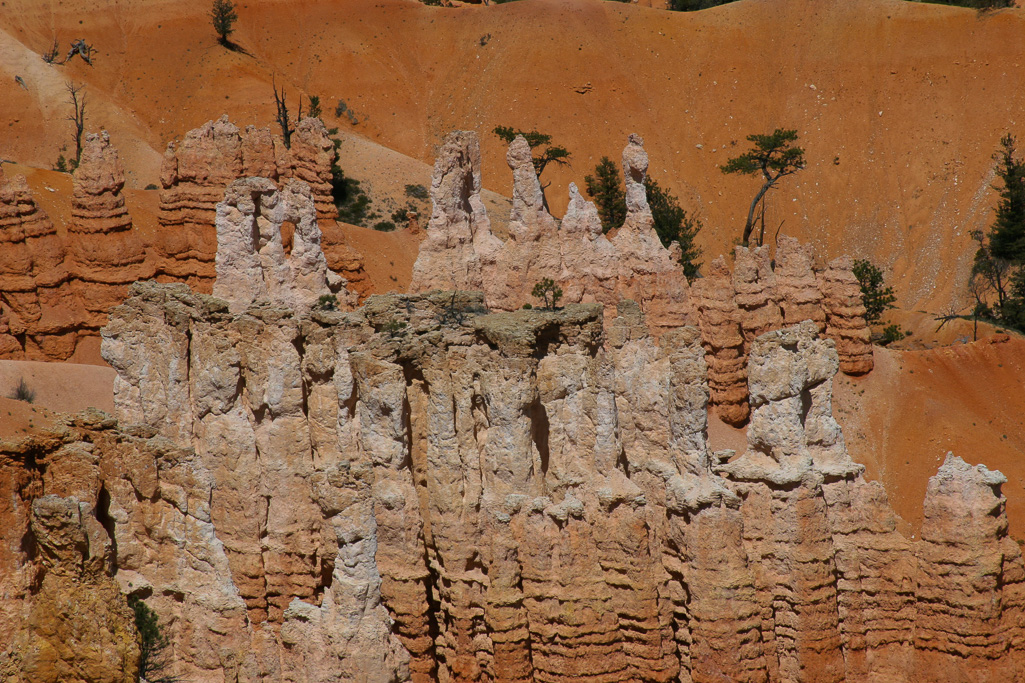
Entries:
{"x":899,"y":104}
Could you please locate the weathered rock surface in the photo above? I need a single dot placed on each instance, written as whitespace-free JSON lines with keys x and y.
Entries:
{"x":845,"y":316}
{"x":62,"y":615}
{"x":35,"y":323}
{"x":104,"y":255}
{"x":461,"y":252}
{"x":197,"y":171}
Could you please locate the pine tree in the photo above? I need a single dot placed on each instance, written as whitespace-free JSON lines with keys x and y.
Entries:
{"x":674,"y":224}
{"x":224,"y":17}
{"x":1007,"y":239}
{"x":606,"y":189}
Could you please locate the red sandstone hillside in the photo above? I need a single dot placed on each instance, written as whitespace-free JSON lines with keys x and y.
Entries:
{"x":899,"y":104}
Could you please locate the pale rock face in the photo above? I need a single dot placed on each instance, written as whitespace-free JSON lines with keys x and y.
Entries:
{"x":251,"y":261}
{"x":459,"y":240}
{"x":197,"y":171}
{"x":461,"y":252}
{"x":424,"y":490}
{"x":799,"y":293}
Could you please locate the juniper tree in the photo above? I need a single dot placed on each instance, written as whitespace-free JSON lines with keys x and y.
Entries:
{"x":223,"y":16}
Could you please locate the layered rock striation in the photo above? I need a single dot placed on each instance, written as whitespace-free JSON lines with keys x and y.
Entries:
{"x":461,"y":252}
{"x":730,"y":308}
{"x":197,"y":171}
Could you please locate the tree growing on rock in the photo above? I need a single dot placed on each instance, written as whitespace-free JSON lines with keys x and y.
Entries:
{"x":605,"y":187}
{"x":672,"y":222}
{"x":774,"y":157}
{"x":223,"y":16}
{"x":76,"y":96}
{"x":875,"y":295}
{"x":542,"y":150}
{"x":998,"y":273}
{"x":548,"y":292}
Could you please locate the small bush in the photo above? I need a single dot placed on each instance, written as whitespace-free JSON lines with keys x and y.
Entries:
{"x":327,"y":302}
{"x":548,"y":292}
{"x":527,"y":307}
{"x":401,"y":217}
{"x":384,"y":226}
{"x":892,"y":333}
{"x":417,"y":192}
{"x":877,"y":298}
{"x":152,"y":186}
{"x":22,"y":392}
{"x":393,"y":328}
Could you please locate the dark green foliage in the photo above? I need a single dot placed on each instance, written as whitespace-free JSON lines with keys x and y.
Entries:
{"x":876,"y":297}
{"x":674,"y":224}
{"x":548,"y":292}
{"x":384,"y":226}
{"x":22,"y":392}
{"x":551,"y":154}
{"x":327,"y":302}
{"x":1007,"y":238}
{"x":284,"y":122}
{"x":152,"y":186}
{"x":401,"y":216}
{"x":892,"y":333}
{"x":605,"y":187}
{"x":417,"y":192}
{"x":693,"y":5}
{"x":527,"y":307}
{"x":223,"y":16}
{"x":999,"y":267}
{"x":393,"y":328}
{"x":774,"y":157}
{"x":62,"y":164}
{"x":153,"y":644}
{"x":315,"y":109}
{"x":975,"y":4}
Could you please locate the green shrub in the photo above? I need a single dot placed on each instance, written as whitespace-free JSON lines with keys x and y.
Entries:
{"x":892,"y":333}
{"x":548,"y":292}
{"x":153,"y":644}
{"x":605,"y":187}
{"x":327,"y":302}
{"x":876,"y":297}
{"x":417,"y":192}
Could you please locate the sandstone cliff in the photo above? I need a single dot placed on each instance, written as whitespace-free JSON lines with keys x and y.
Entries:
{"x":731,"y":309}
{"x":461,"y":252}
{"x":198,"y":169}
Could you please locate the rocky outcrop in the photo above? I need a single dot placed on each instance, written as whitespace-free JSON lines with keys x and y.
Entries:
{"x":461,"y":252}
{"x":197,"y":171}
{"x":719,"y":319}
{"x":799,"y":294}
{"x":426,"y":490}
{"x":104,"y":254}
{"x":64,"y":617}
{"x":252,"y":262}
{"x":845,"y":316}
{"x":35,"y":322}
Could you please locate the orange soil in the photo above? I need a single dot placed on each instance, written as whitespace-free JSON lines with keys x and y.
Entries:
{"x":61,"y":387}
{"x":899,"y":104}
{"x":901,"y":419}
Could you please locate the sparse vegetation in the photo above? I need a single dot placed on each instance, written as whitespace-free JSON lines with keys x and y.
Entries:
{"x":772,"y":156}
{"x":50,"y":56}
{"x":417,"y":192}
{"x":674,"y":224}
{"x":393,"y":328}
{"x":997,"y":281}
{"x":543,"y":152}
{"x":892,"y":333}
{"x":153,"y":644}
{"x":76,"y":96}
{"x":693,"y":5}
{"x":327,"y":302}
{"x":671,"y":221}
{"x":548,"y":292}
{"x":315,"y":110}
{"x":282,"y":114}
{"x":384,"y":226}
{"x":605,"y":187}
{"x":876,"y":296}
{"x":22,"y":392}
{"x":223,"y":16}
